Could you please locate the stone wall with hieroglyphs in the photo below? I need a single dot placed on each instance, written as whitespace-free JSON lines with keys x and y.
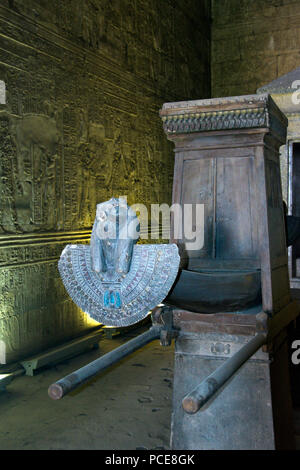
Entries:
{"x":84,"y":82}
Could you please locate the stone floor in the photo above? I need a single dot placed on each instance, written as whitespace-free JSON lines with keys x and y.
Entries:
{"x":126,"y":407}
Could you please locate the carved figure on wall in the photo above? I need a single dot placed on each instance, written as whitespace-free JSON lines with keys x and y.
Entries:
{"x":114,"y":280}
{"x":35,"y":138}
{"x":90,"y":151}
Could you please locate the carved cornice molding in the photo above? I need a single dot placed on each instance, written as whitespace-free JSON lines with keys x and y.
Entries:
{"x":21,"y":250}
{"x":216,"y":120}
{"x":22,"y":239}
{"x":245,"y":112}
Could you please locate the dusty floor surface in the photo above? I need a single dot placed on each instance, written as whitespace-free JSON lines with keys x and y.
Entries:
{"x":125,"y":407}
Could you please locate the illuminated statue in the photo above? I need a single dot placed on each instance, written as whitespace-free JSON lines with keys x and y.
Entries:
{"x":113,"y":236}
{"x":114,"y":233}
{"x":114,"y":280}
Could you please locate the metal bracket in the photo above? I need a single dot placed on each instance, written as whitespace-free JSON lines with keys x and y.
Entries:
{"x":163,"y":317}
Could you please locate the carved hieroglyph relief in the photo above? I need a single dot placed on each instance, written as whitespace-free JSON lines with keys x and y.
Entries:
{"x":80,"y":125}
{"x":35,"y":138}
{"x":28,"y":171}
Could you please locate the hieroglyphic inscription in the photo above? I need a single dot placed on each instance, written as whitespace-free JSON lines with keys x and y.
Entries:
{"x":84,"y":84}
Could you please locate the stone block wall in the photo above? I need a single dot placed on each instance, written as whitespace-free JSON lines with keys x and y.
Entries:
{"x":253,"y":43}
{"x":84,"y":83}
